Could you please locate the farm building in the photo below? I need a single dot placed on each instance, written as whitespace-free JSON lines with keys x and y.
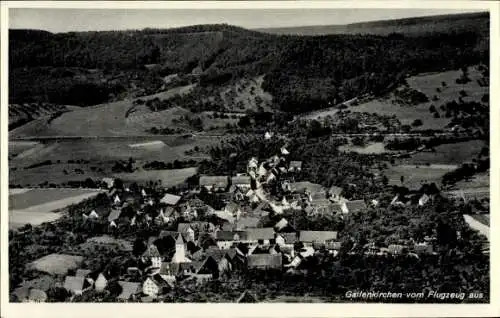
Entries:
{"x":311,"y":237}
{"x":214,"y":183}
{"x":242,"y":182}
{"x":295,"y":166}
{"x":264,"y":261}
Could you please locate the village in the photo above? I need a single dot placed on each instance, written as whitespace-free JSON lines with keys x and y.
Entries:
{"x":252,"y":227}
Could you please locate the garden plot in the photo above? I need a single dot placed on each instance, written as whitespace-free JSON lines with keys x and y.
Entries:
{"x":56,"y":264}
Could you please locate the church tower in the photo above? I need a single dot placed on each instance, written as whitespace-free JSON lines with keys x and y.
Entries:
{"x":180,"y":251}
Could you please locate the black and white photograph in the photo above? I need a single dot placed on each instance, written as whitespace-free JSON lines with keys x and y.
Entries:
{"x":247,"y":155}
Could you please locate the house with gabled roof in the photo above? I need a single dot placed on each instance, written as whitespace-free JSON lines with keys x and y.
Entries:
{"x":241,"y":182}
{"x":129,"y":289}
{"x":100,"y":283}
{"x":246,"y":222}
{"x":170,"y":199}
{"x":253,"y":163}
{"x":295,"y":166}
{"x":396,"y":249}
{"x":76,"y":285}
{"x":225,"y":239}
{"x":283,"y":226}
{"x":187,"y":231}
{"x":286,"y":238}
{"x":82,"y":272}
{"x":264,"y":261}
{"x":423,"y":248}
{"x":284,"y":151}
{"x":265,"y":234}
{"x":114,"y":215}
{"x":214,"y":183}
{"x":109,"y":182}
{"x":423,"y":200}
{"x":158,"y":284}
{"x":310,"y":237}
{"x":152,"y":254}
{"x":355,"y":206}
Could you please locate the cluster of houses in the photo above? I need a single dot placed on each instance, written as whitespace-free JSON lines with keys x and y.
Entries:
{"x":211,"y":243}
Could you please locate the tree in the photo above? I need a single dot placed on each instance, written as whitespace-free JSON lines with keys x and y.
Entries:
{"x":57,"y":294}
{"x":417,"y":123}
{"x":139,"y":247}
{"x":385,"y":180}
{"x":485,"y":98}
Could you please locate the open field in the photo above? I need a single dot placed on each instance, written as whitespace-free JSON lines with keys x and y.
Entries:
{"x":18,"y":191}
{"x":121,"y":118}
{"x":101,"y":153}
{"x":56,"y":264}
{"x":427,"y":84}
{"x":415,"y":176}
{"x":104,"y":149}
{"x":168,"y":178}
{"x":17,"y":147}
{"x":454,"y":154}
{"x":477,"y":225}
{"x":480,"y":180}
{"x":373,"y":148}
{"x":92,"y":242}
{"x":39,"y":205}
{"x":55,"y":174}
{"x":100,"y":120}
{"x":36,"y":197}
{"x":482,"y":218}
{"x":471,"y":193}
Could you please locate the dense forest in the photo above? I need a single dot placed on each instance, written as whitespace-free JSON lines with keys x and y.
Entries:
{"x":301,"y":72}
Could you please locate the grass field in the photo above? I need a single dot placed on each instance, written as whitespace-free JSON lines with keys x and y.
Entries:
{"x":100,"y":120}
{"x":415,"y":176}
{"x":168,"y":178}
{"x":18,"y":147}
{"x":56,"y":264}
{"x":480,"y":180}
{"x":35,"y":197}
{"x":101,"y":154}
{"x":427,"y":84}
{"x":454,"y":154}
{"x":477,"y":225}
{"x":37,"y":206}
{"x":373,"y":148}
{"x":92,"y":242}
{"x":482,"y":218}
